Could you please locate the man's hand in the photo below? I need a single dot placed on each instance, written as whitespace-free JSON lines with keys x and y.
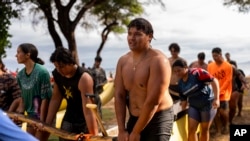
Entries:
{"x":123,"y":136}
{"x":134,"y":137}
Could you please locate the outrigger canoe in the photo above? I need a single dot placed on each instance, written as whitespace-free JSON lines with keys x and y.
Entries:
{"x":179,"y":132}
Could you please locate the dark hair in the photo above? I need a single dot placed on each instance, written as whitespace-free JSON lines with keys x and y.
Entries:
{"x":233,"y":63}
{"x":180,"y":63}
{"x":30,"y":48}
{"x":240,"y":70}
{"x":201,"y":56}
{"x":62,"y":55}
{"x":142,"y":24}
{"x":216,"y":50}
{"x":98,"y":59}
{"x":3,"y":65}
{"x":174,"y":46}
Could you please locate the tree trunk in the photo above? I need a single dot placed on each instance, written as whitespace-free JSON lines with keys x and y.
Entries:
{"x":72,"y":46}
{"x":46,"y":8}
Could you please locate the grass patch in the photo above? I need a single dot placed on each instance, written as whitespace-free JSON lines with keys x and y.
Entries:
{"x":108,"y":114}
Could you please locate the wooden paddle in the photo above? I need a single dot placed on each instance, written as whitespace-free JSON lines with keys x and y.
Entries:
{"x":93,"y":108}
{"x":58,"y":132}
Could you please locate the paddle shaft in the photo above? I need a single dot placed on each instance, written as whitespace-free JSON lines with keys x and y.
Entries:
{"x":58,"y":132}
{"x":93,"y":108}
{"x":50,"y":129}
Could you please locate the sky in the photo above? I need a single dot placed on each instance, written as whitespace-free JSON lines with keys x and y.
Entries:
{"x":196,"y":25}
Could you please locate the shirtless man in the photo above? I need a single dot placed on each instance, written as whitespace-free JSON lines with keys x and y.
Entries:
{"x":174,"y":49}
{"x":141,"y":84}
{"x":200,"y":63}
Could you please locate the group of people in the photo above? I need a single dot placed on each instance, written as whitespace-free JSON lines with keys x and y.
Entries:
{"x":208,"y":104}
{"x":147,"y":84}
{"x":31,"y":92}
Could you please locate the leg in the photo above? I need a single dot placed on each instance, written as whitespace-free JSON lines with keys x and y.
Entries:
{"x":192,"y":128}
{"x":205,"y":127}
{"x":206,"y":122}
{"x":224,"y":114}
{"x":160,"y":127}
{"x":217,"y":122}
{"x":233,"y":105}
{"x":193,"y":122}
{"x":240,"y":104}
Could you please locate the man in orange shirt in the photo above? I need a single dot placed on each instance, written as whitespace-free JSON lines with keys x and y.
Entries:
{"x":222,"y":70}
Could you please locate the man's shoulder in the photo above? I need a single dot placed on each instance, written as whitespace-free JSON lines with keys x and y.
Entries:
{"x":225,"y":63}
{"x":181,"y":58}
{"x":124,"y":58}
{"x":194,"y":63}
{"x":233,"y":61}
{"x":211,"y":66}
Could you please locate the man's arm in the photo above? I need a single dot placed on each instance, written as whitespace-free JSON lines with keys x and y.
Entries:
{"x":216,"y":90}
{"x":120,"y":98}
{"x":14,"y":107}
{"x":54,"y":104}
{"x":184,"y":104}
{"x":16,"y":95}
{"x":53,"y":107}
{"x":242,"y":79}
{"x":120,"y":102}
{"x":85,"y":85}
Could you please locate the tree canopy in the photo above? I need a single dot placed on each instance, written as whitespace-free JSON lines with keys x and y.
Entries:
{"x":63,"y":17}
{"x":7,"y":11}
{"x":114,"y":16}
{"x":243,"y":5}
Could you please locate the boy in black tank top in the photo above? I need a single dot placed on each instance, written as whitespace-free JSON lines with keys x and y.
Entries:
{"x":71,"y":83}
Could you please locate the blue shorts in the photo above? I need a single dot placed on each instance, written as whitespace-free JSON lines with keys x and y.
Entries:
{"x":201,"y":116}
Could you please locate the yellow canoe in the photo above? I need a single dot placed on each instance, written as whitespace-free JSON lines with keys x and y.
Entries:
{"x":180,"y":127}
